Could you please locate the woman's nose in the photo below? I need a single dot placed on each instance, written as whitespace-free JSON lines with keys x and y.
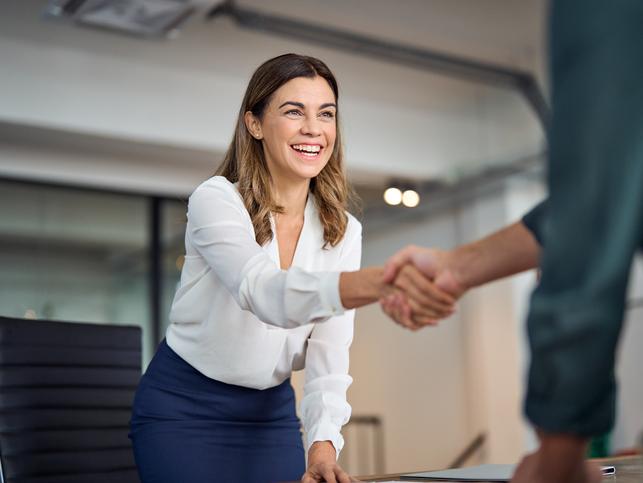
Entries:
{"x":311,"y":127}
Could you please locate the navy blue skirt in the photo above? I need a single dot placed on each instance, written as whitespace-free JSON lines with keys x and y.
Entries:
{"x":189,"y":428}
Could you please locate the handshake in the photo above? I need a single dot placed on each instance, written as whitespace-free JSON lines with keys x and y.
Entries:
{"x":416,"y":287}
{"x":420,"y":286}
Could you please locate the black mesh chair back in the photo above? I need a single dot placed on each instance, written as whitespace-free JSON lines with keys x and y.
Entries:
{"x":66,"y":393}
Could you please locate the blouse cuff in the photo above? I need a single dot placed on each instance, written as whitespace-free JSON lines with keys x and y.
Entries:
{"x":311,"y":297}
{"x":325,"y":431}
{"x":324,"y":413}
{"x":330,"y":296}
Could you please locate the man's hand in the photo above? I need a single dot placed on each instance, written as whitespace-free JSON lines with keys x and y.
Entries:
{"x":435,"y":264}
{"x":322,"y":465}
{"x":436,"y":290}
{"x":413,"y":300}
{"x":560,"y":459}
{"x":508,"y":251}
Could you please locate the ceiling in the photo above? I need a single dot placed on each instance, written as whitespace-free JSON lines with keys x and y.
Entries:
{"x":399,"y":122}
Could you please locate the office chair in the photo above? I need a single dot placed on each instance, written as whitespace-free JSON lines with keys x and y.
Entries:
{"x":66,"y":391}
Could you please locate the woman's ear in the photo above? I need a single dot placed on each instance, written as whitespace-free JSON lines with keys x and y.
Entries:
{"x":253,"y":125}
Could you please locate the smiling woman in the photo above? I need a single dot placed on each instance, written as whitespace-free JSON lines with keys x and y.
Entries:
{"x":290,"y":108}
{"x":271,"y":270}
{"x":298,"y":129}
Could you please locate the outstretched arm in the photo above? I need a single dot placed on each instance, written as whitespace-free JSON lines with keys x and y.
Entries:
{"x":508,"y":251}
{"x":220,"y":231}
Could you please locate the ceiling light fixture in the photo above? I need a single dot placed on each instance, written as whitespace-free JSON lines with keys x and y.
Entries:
{"x":393,"y":196}
{"x":144,"y":18}
{"x":410,"y":198}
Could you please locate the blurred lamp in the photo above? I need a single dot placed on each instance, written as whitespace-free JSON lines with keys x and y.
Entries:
{"x":393,"y":196}
{"x":410,"y":198}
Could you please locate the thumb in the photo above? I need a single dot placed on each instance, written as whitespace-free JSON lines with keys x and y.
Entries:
{"x":426,"y":261}
{"x":396,"y":262}
{"x":445,"y":281}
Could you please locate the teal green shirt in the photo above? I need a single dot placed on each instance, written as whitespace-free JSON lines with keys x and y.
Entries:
{"x":592,"y":222}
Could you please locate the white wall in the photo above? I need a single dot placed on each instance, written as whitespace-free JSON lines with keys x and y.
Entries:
{"x":492,"y":346}
{"x":415,"y":381}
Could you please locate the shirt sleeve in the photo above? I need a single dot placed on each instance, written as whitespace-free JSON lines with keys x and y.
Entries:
{"x":220,"y":229}
{"x":324,"y":407}
{"x":535,"y":219}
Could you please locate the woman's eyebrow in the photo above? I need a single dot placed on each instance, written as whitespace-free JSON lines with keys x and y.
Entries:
{"x":296,"y":104}
{"x":300,"y":105}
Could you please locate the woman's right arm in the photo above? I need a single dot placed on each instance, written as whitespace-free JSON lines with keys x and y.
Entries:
{"x":422,"y":298}
{"x":220,"y":229}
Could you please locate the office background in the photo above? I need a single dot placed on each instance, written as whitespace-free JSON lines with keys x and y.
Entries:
{"x":104,"y":135}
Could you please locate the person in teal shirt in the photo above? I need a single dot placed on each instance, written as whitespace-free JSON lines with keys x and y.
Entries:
{"x":590,"y":228}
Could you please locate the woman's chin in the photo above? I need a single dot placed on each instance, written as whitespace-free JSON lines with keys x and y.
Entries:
{"x":309,"y":172}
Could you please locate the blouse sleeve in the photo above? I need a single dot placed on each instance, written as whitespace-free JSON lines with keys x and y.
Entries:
{"x":220,"y":229}
{"x":324,"y":407}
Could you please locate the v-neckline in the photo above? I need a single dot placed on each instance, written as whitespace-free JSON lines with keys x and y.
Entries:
{"x":302,"y":234}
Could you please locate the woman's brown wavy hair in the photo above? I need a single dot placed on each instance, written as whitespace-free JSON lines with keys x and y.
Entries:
{"x":244,"y":161}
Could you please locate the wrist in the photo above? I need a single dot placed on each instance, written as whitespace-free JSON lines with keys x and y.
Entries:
{"x":361,"y":288}
{"x":320,"y":452}
{"x":562,"y":457}
{"x":564,"y":445}
{"x":454,"y":271}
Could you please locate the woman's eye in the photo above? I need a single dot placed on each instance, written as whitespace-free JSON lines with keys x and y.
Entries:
{"x":328,"y":114}
{"x":295,"y":112}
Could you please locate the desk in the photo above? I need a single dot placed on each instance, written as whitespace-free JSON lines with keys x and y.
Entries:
{"x":629,"y":469}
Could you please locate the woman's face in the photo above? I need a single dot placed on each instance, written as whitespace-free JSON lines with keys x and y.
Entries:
{"x":298,"y":128}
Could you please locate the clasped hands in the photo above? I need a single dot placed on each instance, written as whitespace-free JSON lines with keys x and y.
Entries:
{"x":420,"y":287}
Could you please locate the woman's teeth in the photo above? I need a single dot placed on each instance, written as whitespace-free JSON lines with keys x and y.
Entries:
{"x":307,"y":149}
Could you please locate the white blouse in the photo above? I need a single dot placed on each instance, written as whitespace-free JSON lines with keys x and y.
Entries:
{"x":238,"y":318}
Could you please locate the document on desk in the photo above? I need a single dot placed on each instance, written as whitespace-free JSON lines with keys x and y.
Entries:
{"x":487,"y":473}
{"x":471,"y":473}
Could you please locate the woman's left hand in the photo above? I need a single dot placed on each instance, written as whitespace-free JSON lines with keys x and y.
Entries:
{"x":322,"y":465}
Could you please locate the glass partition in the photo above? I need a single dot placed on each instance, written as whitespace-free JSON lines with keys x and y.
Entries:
{"x":75,"y":255}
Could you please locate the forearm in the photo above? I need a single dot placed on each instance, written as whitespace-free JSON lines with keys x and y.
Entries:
{"x":324,"y":408}
{"x":361,"y":287}
{"x":506,"y":252}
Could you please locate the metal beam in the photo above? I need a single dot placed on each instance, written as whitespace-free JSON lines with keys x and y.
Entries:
{"x":439,"y":62}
